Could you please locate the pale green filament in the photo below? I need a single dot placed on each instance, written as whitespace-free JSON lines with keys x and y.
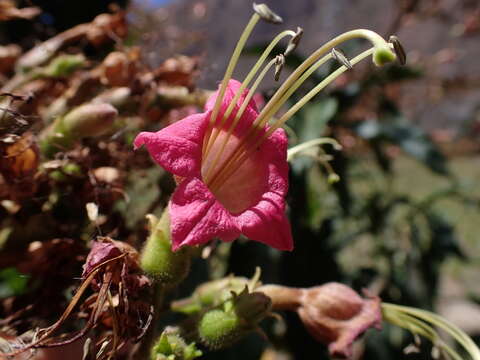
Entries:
{"x":300,"y":148}
{"x":316,"y":90}
{"x":418,"y":321}
{"x":237,"y":117}
{"x":278,"y":99}
{"x":228,"y":73}
{"x":245,"y":83}
{"x":416,"y":326}
{"x":290,"y":91}
{"x":228,"y":168}
{"x":377,"y":41}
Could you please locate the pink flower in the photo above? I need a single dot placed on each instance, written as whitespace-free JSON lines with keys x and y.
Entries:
{"x":240,"y":197}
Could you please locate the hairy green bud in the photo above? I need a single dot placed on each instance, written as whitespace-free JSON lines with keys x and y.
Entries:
{"x":228,"y":323}
{"x":218,"y":328}
{"x":87,"y":120}
{"x":171,"y":346}
{"x":210,"y":294}
{"x":62,"y":66}
{"x":157,"y":258}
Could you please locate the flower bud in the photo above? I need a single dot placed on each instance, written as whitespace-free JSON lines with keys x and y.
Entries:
{"x":117,"y":97}
{"x":225,"y":325}
{"x":170,"y":345}
{"x":157,"y":258}
{"x":89,"y":120}
{"x":84,"y":121}
{"x":210,"y":294}
{"x":62,"y":66}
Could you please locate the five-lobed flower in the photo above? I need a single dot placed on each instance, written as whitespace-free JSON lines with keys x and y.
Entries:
{"x":230,"y":163}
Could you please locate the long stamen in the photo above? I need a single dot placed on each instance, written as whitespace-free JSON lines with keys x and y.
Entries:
{"x":380,"y":47}
{"x":245,"y":83}
{"x":315,"y":91}
{"x":228,"y":74}
{"x":238,"y":116}
{"x":229,"y":168}
{"x":237,"y":151}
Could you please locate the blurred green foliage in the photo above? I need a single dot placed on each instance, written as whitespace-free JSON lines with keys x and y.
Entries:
{"x":362,"y":230}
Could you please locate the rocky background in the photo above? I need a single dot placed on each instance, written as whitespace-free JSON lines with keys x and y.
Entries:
{"x":442,"y":38}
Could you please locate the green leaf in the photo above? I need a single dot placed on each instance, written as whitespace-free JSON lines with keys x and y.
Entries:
{"x":12,"y":282}
{"x":411,"y":139}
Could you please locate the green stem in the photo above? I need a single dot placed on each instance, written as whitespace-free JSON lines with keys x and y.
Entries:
{"x":148,"y":340}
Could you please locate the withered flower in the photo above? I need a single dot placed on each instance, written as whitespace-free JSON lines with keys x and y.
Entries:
{"x":118,"y":309}
{"x":333,"y":313}
{"x":19,"y":159}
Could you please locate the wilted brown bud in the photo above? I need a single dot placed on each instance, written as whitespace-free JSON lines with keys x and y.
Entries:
{"x":118,"y":69}
{"x":333,"y":313}
{"x":8,"y":11}
{"x":105,"y":27}
{"x":8,"y":55}
{"x":19,"y":159}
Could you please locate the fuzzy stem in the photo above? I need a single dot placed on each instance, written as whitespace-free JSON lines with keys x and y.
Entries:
{"x":148,"y":340}
{"x":283,"y":297}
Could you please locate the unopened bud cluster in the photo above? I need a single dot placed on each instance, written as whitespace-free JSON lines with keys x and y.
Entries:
{"x":229,"y":322}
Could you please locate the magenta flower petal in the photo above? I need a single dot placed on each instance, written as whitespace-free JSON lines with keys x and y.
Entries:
{"x":248,"y":116}
{"x":196,"y":217}
{"x":245,"y":196}
{"x":178,"y":147}
{"x":266,"y":221}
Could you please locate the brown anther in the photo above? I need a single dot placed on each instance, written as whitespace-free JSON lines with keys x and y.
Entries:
{"x":279,"y":63}
{"x":294,"y":41}
{"x":267,"y":14}
{"x":399,"y":50}
{"x":339,"y":56}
